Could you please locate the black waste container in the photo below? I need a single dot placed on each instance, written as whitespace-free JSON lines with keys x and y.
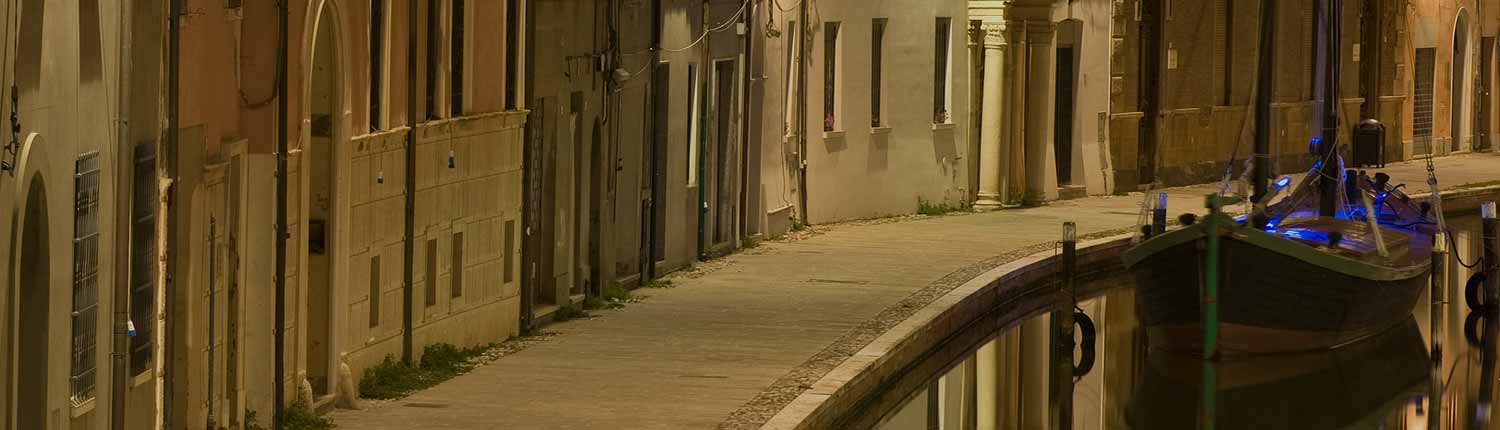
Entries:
{"x":1369,"y":144}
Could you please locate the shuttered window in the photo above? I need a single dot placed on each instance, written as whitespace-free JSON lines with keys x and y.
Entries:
{"x":142,"y":258}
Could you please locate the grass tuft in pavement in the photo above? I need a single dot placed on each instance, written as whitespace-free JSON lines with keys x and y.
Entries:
{"x":392,"y":379}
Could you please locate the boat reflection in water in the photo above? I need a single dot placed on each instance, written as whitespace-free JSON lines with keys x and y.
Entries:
{"x":1389,"y":380}
{"x":1361,"y":385}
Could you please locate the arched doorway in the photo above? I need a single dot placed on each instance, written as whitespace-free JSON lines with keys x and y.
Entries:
{"x":1460,"y":79}
{"x":32,"y":308}
{"x":322,"y":248}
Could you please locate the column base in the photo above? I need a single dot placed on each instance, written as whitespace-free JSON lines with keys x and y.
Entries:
{"x":989,"y":202}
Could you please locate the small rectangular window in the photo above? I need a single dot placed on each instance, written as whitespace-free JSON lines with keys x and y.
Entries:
{"x":510,"y":253}
{"x":432,"y":272}
{"x":877,"y":65}
{"x":793,"y":56}
{"x":85,"y":276}
{"x":377,"y":61}
{"x":456,"y":60}
{"x":434,"y":57}
{"x":512,"y":55}
{"x":830,"y":76}
{"x":375,"y":291}
{"x":456,"y":272}
{"x":693,"y":124}
{"x":941,"y":59}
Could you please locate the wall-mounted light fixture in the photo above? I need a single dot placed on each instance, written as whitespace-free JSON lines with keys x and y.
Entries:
{"x":452,"y":161}
{"x":380,"y":177}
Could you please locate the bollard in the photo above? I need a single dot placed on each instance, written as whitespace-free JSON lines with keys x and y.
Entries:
{"x":1159,"y":214}
{"x":1438,"y":291}
{"x":1062,"y":333}
{"x":1490,"y":264}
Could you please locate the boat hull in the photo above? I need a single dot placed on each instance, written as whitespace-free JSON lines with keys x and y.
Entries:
{"x":1270,"y":300}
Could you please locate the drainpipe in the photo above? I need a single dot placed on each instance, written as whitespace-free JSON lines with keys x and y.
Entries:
{"x":174,"y":61}
{"x":278,"y":387}
{"x":528,"y":289}
{"x":748,"y":20}
{"x":802,"y":51}
{"x":408,"y":246}
{"x":703,"y":135}
{"x":125,"y":160}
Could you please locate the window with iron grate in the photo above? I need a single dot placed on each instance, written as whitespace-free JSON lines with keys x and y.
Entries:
{"x":85,"y":276}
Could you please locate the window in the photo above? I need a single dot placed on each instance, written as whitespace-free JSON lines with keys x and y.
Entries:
{"x":877,"y":64}
{"x":830,"y":76}
{"x":377,"y":61}
{"x":1422,"y":104}
{"x":456,"y":274}
{"x":693,"y":125}
{"x":512,"y":54}
{"x":85,"y":275}
{"x":510,"y":254}
{"x":456,"y":59}
{"x":375,"y":291}
{"x":143,"y":258}
{"x":941,"y":89}
{"x":793,"y":58}
{"x":433,"y":53}
{"x":432,"y":272}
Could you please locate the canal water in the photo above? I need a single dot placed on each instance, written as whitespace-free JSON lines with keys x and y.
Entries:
{"x":1388,"y":381}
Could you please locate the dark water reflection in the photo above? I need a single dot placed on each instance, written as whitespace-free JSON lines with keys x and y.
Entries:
{"x":1389,"y":381}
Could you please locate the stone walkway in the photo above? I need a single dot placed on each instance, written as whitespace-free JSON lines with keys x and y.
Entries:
{"x":734,"y":341}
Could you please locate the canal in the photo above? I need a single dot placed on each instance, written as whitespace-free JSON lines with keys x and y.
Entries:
{"x":1393,"y":380}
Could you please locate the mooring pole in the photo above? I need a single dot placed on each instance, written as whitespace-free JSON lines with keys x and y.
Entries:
{"x":1438,"y":290}
{"x":1490,"y":233}
{"x":1490,"y":229}
{"x":1159,"y":214}
{"x":1211,"y":280}
{"x":1062,"y":332}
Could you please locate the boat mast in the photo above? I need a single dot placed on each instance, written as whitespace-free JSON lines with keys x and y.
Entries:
{"x":1265,"y":89}
{"x":1328,"y":184}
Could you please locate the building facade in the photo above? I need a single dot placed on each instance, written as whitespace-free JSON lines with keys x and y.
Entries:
{"x":371,"y":217}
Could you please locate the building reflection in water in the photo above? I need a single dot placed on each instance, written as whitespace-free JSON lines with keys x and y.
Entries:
{"x":1389,"y":381}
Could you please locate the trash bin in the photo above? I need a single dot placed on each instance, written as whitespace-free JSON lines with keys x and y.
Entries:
{"x":1369,"y":143}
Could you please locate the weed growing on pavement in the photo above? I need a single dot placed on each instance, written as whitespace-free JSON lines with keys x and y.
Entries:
{"x":299,"y":417}
{"x":615,"y":294}
{"x":659,"y":283}
{"x":392,"y":379}
{"x":925,"y":207}
{"x":568,"y":312}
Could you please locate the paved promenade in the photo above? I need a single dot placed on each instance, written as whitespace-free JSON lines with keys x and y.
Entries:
{"x":735,"y":340}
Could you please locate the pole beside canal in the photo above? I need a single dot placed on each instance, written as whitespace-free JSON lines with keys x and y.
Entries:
{"x":1062,"y":332}
{"x":1439,"y":297}
{"x":1211,"y":280}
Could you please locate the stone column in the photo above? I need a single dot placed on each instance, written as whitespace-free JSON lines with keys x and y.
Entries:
{"x":993,"y":160}
{"x":1015,"y":112}
{"x":1041,"y":179}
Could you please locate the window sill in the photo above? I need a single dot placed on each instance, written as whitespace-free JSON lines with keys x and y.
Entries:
{"x":943,"y":126}
{"x":836,"y":134}
{"x":880,"y":130}
{"x":143,"y":377}
{"x":83,"y":409}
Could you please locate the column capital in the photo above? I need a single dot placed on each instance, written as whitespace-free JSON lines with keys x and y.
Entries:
{"x":994,"y":35}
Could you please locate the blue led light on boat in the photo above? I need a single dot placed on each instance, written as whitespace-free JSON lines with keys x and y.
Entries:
{"x":1283,"y":182}
{"x":1305,"y":235}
